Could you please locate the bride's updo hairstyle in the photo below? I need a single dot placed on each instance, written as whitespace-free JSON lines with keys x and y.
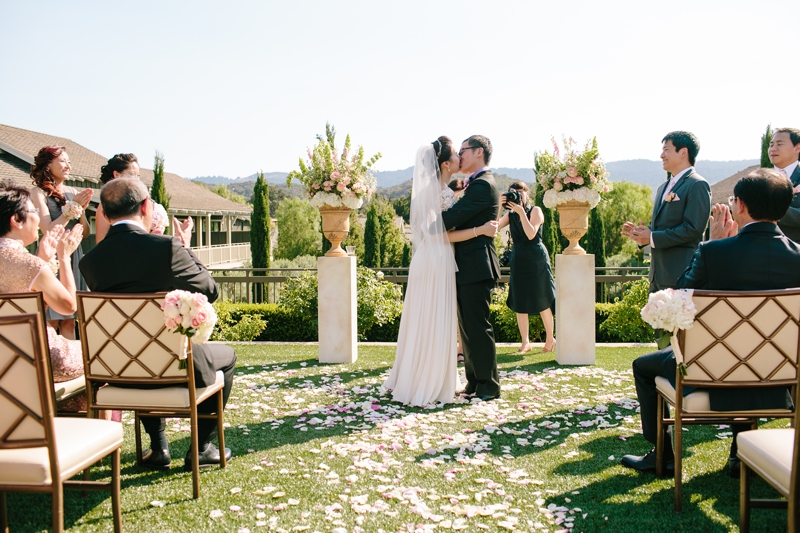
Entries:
{"x":118,"y":163}
{"x":443,"y":147}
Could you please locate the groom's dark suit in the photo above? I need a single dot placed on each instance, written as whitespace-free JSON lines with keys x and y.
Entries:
{"x":790,"y":223}
{"x":130,"y":260}
{"x":760,"y":257}
{"x":478,"y":270}
{"x":678,"y":228}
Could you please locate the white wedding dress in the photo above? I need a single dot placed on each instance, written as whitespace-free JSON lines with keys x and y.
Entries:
{"x":425,"y":368}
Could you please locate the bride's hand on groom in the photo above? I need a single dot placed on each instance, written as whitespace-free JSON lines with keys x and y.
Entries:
{"x":489,"y":229}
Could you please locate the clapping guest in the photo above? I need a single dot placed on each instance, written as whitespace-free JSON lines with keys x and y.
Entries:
{"x":51,"y":168}
{"x":127,"y":166}
{"x":23,"y":272}
{"x":531,"y":289}
{"x":784,"y":152}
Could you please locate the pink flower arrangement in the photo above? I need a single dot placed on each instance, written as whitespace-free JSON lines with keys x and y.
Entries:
{"x":190,"y":314}
{"x":72,"y":210}
{"x":574,"y":176}
{"x":160,"y":219}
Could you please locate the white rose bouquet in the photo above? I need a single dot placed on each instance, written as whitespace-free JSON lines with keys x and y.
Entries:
{"x":191,"y":314}
{"x":671,"y":310}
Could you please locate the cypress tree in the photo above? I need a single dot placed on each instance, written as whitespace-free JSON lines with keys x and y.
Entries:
{"x":158,"y":190}
{"x":765,"y":140}
{"x":260,"y":231}
{"x":372,"y":237}
{"x":596,"y":244}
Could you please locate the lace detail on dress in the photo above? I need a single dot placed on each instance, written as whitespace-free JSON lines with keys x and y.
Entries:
{"x":19,"y":269}
{"x":448,"y":198}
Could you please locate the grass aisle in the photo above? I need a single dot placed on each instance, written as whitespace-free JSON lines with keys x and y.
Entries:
{"x":320,"y":448}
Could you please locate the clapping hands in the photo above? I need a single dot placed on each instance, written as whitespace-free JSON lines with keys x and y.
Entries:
{"x":722,"y":224}
{"x":69,"y":242}
{"x":49,"y":243}
{"x":83,"y":197}
{"x":639,"y":233}
{"x":183,"y":230}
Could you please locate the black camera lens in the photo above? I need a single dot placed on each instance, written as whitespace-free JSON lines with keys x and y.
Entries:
{"x":513,"y":196}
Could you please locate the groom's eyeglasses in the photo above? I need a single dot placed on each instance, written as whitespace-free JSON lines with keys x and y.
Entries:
{"x":461,"y":152}
{"x":731,"y":200}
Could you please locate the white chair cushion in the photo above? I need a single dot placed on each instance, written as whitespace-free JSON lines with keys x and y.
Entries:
{"x":79,"y":442}
{"x":698,"y":402}
{"x":769,"y":453}
{"x":66,"y":388}
{"x":172,"y":397}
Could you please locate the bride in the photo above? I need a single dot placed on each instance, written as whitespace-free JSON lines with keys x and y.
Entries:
{"x":425,"y":368}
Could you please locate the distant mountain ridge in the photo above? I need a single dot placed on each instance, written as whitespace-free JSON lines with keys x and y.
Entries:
{"x":641,"y":171}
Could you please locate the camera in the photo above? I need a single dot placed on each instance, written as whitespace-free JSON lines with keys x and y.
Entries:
{"x":513,"y":196}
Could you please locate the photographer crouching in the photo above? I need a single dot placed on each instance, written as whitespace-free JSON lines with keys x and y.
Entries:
{"x":531,"y":289}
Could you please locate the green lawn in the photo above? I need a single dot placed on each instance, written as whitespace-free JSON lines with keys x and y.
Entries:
{"x":320,"y":448}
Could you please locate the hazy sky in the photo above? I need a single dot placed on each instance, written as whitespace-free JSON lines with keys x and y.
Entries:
{"x":228,"y":88}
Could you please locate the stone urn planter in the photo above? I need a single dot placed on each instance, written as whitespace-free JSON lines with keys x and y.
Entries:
{"x":573,"y":220}
{"x":335,"y":227}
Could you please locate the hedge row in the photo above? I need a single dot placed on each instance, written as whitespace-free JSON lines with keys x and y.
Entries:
{"x":614,"y":322}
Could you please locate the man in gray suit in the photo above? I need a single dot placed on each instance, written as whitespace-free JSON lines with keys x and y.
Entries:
{"x":680,"y":213}
{"x":784,"y":152}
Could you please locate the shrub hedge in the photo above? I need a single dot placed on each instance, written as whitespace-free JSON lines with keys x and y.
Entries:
{"x":614,"y":322}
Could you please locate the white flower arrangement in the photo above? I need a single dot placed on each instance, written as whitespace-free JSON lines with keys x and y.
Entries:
{"x":335,"y":179}
{"x":671,"y":310}
{"x":191,"y":314}
{"x":578,"y":176}
{"x":72,"y":210}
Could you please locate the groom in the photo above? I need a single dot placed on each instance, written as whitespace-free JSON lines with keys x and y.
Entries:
{"x":478,"y":268}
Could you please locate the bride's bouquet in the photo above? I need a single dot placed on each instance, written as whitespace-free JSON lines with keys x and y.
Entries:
{"x":671,"y":310}
{"x":335,"y":179}
{"x":574,"y":176}
{"x":191,"y":314}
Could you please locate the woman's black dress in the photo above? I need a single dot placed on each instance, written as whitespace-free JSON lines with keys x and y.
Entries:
{"x":80,"y":283}
{"x":531,"y":289}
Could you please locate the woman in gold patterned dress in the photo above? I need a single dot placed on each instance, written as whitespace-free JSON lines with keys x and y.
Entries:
{"x":22,"y":271}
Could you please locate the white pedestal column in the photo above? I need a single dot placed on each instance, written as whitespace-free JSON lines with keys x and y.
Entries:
{"x":337,"y":296}
{"x":575,"y":289}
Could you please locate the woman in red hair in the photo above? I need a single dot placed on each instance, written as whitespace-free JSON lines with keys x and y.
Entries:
{"x":59,"y":204}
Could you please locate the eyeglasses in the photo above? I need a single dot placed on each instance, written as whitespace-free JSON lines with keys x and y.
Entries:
{"x":460,"y":152}
{"x":731,"y":200}
{"x":34,"y":210}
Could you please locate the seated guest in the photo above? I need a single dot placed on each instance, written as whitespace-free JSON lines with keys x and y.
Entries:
{"x":759,"y":257}
{"x":23,"y":272}
{"x":127,"y":166}
{"x":114,"y":266}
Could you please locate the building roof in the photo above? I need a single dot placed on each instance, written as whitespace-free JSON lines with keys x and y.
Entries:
{"x":18,"y":148}
{"x":721,"y":190}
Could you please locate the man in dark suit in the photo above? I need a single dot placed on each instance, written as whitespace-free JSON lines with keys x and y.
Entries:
{"x":478,"y":267}
{"x":680,"y":213}
{"x":784,"y":152}
{"x":759,"y":257}
{"x":131,"y":260}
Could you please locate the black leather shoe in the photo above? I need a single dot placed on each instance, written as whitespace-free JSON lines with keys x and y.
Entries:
{"x":647,"y":462}
{"x":488,"y":397}
{"x":209,"y":456}
{"x":156,"y":460}
{"x":734,"y":467}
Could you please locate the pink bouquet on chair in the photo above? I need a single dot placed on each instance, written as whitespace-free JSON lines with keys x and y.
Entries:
{"x":671,"y":310}
{"x":190,"y":314}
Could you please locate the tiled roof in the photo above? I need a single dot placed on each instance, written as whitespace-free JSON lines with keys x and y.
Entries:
{"x":721,"y":190}
{"x":18,"y":148}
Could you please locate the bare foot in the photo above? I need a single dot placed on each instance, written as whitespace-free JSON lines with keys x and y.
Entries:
{"x":549,"y":348}
{"x":525,"y":348}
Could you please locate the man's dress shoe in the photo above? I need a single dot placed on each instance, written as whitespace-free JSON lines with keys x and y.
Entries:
{"x":209,"y":456}
{"x":156,"y":459}
{"x":647,"y":462}
{"x":488,"y":397}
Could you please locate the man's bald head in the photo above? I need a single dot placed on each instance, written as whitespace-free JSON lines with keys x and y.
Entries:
{"x":123,"y":198}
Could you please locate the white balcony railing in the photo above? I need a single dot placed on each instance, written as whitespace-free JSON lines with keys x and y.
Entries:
{"x":223,"y":254}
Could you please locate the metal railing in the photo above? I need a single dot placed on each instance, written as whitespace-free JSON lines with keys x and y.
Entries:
{"x":241,"y":285}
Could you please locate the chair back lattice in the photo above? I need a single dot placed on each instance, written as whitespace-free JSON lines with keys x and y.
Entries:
{"x":25,"y":398}
{"x":22,"y":303}
{"x":743,"y":337}
{"x":125,"y":340}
